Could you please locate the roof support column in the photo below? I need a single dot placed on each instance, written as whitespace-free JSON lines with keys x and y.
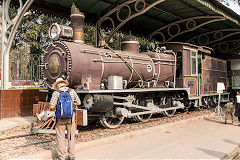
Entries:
{"x":9,"y":28}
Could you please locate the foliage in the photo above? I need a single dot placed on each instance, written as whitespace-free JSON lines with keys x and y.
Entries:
{"x":90,"y":34}
{"x":34,"y":31}
{"x":31,"y":38}
{"x":115,"y":40}
{"x":19,"y":59}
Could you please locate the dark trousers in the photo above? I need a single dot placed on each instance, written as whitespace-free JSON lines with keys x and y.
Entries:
{"x":237,"y":111}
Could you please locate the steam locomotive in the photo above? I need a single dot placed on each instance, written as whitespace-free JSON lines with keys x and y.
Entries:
{"x":114,"y":85}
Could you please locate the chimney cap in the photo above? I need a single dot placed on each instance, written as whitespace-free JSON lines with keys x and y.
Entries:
{"x":75,"y":10}
{"x":129,"y":38}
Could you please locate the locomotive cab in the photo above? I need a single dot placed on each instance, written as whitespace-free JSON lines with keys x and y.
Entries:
{"x":198,"y":71}
{"x":188,"y":74}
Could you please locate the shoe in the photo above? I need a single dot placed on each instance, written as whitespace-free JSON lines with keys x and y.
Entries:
{"x":57,"y":158}
{"x":225,"y":122}
{"x":69,"y":158}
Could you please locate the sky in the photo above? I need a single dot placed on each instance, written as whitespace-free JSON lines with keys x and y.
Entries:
{"x":234,"y":6}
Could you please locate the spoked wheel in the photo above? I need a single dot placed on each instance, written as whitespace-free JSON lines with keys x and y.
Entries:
{"x":211,"y":103}
{"x":111,"y":122}
{"x":169,"y":113}
{"x":206,"y":103}
{"x":145,"y":117}
{"x":215,"y":101}
{"x":202,"y":107}
{"x":168,"y":102}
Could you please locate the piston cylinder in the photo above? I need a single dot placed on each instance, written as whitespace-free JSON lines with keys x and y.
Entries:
{"x":102,"y":103}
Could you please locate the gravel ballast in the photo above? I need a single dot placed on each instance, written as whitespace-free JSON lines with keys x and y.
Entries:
{"x":27,"y":145}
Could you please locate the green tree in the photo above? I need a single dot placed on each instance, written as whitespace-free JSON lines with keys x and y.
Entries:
{"x":31,"y":38}
{"x":34,"y":31}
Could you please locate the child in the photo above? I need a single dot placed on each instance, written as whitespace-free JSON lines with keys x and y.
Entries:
{"x":229,"y":110}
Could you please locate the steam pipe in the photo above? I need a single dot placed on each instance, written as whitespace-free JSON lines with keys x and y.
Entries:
{"x":175,"y":67}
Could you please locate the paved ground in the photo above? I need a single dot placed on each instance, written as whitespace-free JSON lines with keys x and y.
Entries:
{"x":9,"y":123}
{"x":206,"y":139}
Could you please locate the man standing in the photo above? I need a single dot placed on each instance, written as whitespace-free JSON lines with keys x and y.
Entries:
{"x":64,"y":123}
{"x":229,"y":110}
{"x":237,"y":108}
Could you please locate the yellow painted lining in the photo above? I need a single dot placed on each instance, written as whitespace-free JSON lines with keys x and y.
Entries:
{"x":186,"y":86}
{"x":211,"y":91}
{"x":208,"y":57}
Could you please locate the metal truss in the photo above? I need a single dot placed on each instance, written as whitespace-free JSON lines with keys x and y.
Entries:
{"x":230,"y":46}
{"x":209,"y":38}
{"x":9,"y":28}
{"x":117,"y":10}
{"x":183,"y":26}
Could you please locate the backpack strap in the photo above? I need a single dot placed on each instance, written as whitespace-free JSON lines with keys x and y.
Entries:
{"x":59,"y":91}
{"x":69,"y":90}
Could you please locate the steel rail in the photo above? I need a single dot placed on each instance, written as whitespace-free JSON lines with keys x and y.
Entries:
{"x":17,"y":136}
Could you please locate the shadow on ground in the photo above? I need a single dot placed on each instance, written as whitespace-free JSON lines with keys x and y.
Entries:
{"x":231,"y":142}
{"x":212,"y":153}
{"x":215,"y":120}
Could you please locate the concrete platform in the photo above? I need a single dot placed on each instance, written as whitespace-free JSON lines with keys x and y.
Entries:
{"x":205,"y":139}
{"x":9,"y":123}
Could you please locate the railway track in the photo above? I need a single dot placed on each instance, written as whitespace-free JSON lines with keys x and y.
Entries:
{"x":20,"y":141}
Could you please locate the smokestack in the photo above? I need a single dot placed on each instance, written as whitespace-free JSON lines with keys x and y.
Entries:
{"x":77,"y":24}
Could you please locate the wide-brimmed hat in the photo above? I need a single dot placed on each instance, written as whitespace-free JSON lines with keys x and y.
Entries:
{"x":58,"y":81}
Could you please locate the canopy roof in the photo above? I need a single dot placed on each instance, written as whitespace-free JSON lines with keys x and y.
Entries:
{"x":201,"y":22}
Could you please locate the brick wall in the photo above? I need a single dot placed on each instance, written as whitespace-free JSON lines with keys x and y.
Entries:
{"x":0,"y":38}
{"x":15,"y":103}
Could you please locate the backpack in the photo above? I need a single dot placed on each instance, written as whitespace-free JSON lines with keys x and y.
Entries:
{"x":64,"y":106}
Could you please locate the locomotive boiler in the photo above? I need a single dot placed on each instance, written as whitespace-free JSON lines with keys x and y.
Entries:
{"x":114,"y":85}
{"x":81,"y":63}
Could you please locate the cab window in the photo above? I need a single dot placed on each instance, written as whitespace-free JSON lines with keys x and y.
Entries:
{"x":179,"y":65}
{"x":193,"y":62}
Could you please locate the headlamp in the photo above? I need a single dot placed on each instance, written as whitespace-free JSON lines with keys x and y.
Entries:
{"x":57,"y":31}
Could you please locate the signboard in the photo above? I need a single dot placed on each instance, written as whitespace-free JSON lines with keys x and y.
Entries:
{"x":220,"y":87}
